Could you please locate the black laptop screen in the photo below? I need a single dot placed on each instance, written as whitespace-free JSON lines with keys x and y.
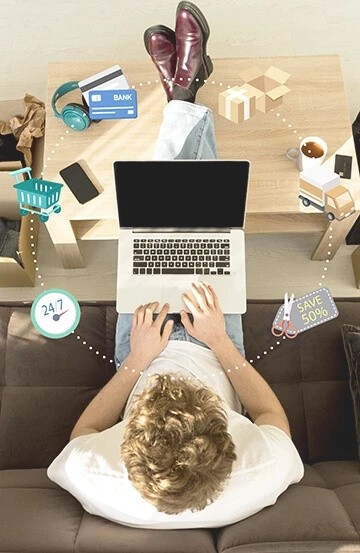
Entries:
{"x":181,"y":193}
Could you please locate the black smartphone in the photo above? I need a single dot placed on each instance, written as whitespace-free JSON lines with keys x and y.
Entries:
{"x":343,"y":166}
{"x":79,"y":182}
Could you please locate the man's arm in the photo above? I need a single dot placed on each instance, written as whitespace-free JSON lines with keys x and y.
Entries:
{"x":209,"y":327}
{"x":105,"y":408}
{"x":146,"y":343}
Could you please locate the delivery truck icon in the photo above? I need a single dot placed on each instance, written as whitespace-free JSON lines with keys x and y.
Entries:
{"x":322,"y":189}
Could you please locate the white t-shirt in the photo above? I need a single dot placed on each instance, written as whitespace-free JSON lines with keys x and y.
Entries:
{"x":90,"y":467}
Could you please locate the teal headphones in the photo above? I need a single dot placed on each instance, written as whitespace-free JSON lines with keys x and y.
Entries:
{"x":75,"y":116}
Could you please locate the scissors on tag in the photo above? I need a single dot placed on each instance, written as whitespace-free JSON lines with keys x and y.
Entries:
{"x":285,"y":326}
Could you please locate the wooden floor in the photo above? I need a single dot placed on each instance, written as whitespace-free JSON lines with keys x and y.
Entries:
{"x":32,"y":37}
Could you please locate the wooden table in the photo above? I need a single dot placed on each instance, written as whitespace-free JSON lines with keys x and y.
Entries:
{"x":316,"y":104}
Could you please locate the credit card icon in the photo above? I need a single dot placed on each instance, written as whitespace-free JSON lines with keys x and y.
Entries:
{"x":113,"y":104}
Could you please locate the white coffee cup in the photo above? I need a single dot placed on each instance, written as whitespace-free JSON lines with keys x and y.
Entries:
{"x":312,"y":151}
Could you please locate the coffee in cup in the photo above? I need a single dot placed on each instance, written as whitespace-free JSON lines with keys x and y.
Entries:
{"x":312,"y":151}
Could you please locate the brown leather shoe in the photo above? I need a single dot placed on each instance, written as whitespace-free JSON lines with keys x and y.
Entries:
{"x":160,"y":43}
{"x":193,"y":64}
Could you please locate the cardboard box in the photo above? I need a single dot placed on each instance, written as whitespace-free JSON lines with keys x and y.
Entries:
{"x":238,"y":103}
{"x":270,"y":86}
{"x":12,"y":274}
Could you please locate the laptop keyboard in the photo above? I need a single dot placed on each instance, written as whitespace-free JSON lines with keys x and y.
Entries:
{"x":181,"y":256}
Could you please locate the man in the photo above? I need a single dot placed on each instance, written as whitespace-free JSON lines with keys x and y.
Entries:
{"x":184,"y":454}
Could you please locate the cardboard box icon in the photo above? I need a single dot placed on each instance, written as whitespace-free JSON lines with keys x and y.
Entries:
{"x":270,"y":86}
{"x":238,"y":103}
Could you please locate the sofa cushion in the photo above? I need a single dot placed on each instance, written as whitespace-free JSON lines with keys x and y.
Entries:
{"x":39,"y":516}
{"x":322,"y":506}
{"x":46,"y":384}
{"x":351,"y":339}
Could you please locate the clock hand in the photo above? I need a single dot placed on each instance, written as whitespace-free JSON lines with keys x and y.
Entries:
{"x":57,"y":316}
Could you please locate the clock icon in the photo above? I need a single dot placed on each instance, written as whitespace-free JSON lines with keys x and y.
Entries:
{"x":55,"y":313}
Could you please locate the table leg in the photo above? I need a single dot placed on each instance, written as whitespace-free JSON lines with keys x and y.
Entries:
{"x":338,"y":231}
{"x":65,"y":243}
{"x":355,"y":258}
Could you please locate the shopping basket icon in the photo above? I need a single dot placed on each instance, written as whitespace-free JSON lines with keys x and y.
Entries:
{"x":37,"y":196}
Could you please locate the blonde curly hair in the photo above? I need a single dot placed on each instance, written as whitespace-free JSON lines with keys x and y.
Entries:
{"x":176,"y":448}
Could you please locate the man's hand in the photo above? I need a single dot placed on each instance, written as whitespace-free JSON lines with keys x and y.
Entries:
{"x":208,"y":325}
{"x":146,"y":339}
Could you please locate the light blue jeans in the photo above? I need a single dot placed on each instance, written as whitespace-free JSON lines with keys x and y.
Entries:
{"x":187,"y":132}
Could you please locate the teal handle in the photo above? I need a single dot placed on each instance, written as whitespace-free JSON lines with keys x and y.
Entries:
{"x":20,"y":171}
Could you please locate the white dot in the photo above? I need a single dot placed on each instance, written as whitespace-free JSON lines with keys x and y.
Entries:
{"x":42,"y":284}
{"x":97,"y":353}
{"x":330,"y":228}
{"x":111,"y":360}
{"x":78,"y":337}
{"x":278,"y":115}
{"x":141,"y":84}
{"x":251,"y":361}
{"x":33,"y":253}
{"x":284,"y":120}
{"x":84,"y":343}
{"x":36,"y":268}
{"x":289,"y":125}
{"x":330,"y":244}
{"x":35,"y":261}
{"x":325,"y":268}
{"x":295,"y":132}
{"x":104,"y":356}
{"x":271,"y":347}
{"x":39,"y":276}
{"x":149,"y":82}
{"x":32,"y":245}
{"x":284,"y":337}
{"x":229,"y":371}
{"x":132,"y":370}
{"x":57,"y":144}
{"x":53,"y":151}
{"x":320,"y":283}
{"x":67,"y":132}
{"x":221,"y":84}
{"x":265,"y":352}
{"x":32,"y":237}
{"x":125,"y":368}
{"x":48,"y":158}
{"x":278,"y":343}
{"x":90,"y":347}
{"x":322,"y":276}
{"x":329,"y":253}
{"x":258,"y":357}
{"x":61,"y":138}
{"x":244,"y":364}
{"x":31,"y":228}
{"x":141,"y":372}
{"x":330,"y":236}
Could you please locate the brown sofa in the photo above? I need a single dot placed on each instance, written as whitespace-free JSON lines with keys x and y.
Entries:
{"x":45,"y":385}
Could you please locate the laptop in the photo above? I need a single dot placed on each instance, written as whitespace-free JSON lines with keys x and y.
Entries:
{"x":181,"y":221}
